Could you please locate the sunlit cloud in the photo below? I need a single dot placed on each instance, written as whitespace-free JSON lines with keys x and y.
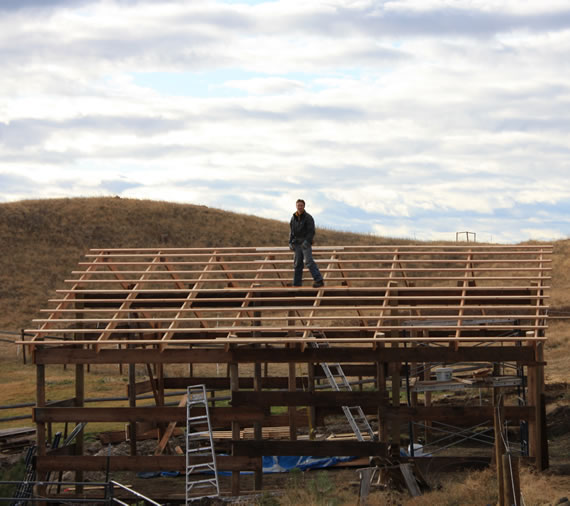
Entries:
{"x":407,"y":118}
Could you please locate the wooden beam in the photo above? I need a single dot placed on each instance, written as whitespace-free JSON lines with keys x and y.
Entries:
{"x":459,"y":415}
{"x":147,"y":414}
{"x":308,"y":447}
{"x":337,"y":354}
{"x":299,"y":398}
{"x":139,"y":463}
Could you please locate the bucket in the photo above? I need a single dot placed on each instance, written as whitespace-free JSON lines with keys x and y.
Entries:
{"x":443,"y":373}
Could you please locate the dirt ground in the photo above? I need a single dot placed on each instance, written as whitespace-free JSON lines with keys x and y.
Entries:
{"x":341,"y":486}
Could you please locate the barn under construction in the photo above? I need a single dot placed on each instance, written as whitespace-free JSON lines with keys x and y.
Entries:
{"x":392,"y":330}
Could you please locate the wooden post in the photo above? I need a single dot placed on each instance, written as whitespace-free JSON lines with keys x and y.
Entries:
{"x":381,"y":381}
{"x":292,"y":409}
{"x":541,"y":437}
{"x":511,"y":480}
{"x":41,"y":427}
{"x":234,"y":387}
{"x":395,"y":426}
{"x":132,"y":404}
{"x":499,"y":445}
{"x":23,"y":338}
{"x":395,"y":374}
{"x":535,"y":398}
{"x":159,"y":370}
{"x":312,"y":412}
{"x":427,"y":400}
{"x":292,"y":383}
{"x":257,"y":427}
{"x":40,"y":403}
{"x":79,"y":400}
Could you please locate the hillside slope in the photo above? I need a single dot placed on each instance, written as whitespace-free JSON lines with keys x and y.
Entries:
{"x":42,"y":240}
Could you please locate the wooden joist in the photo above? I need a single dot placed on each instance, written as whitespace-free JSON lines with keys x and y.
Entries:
{"x":139,"y":463}
{"x":71,"y":355}
{"x":213,"y":293}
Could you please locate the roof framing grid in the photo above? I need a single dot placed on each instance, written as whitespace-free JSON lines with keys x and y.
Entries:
{"x":373,"y":294}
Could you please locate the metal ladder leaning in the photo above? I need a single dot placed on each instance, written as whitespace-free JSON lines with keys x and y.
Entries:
{"x":25,"y":488}
{"x":338,"y":381}
{"x":200,"y":456}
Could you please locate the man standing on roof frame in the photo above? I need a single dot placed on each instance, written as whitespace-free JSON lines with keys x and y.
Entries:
{"x":301,"y":242}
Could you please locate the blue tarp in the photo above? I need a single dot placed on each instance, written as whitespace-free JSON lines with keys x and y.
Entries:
{"x":274,"y":465}
{"x":286,"y":464}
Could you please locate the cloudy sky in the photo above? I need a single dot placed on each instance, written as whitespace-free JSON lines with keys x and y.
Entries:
{"x":407,"y":118}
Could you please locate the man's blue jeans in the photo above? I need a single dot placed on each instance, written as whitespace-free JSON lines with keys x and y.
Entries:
{"x":304,"y":254}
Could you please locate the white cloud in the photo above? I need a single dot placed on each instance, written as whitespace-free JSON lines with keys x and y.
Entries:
{"x":404,"y":118}
{"x":269,"y":85}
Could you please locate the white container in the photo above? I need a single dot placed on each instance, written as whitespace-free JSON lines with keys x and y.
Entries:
{"x":443,"y":373}
{"x":418,"y":451}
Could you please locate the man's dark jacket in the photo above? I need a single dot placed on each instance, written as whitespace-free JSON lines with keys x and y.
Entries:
{"x":302,"y":228}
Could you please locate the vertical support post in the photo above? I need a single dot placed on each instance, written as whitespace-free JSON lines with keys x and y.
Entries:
{"x":536,"y":425}
{"x":499,"y":446}
{"x":541,"y":419}
{"x":511,"y":480}
{"x":538,"y":435}
{"x":159,"y":368}
{"x":381,"y":381}
{"x":79,"y":403}
{"x":395,"y":374}
{"x":292,"y":409}
{"x":41,"y":427}
{"x":23,"y":338}
{"x":395,"y":424}
{"x":427,"y":400}
{"x":257,"y":427}
{"x":234,"y":387}
{"x":190,"y":365}
{"x":40,"y":403}
{"x":312,"y":412}
{"x":79,"y":397}
{"x":292,"y":383}
{"x":132,"y":404}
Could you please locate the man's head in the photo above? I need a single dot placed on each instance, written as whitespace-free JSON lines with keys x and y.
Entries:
{"x":300,"y":206}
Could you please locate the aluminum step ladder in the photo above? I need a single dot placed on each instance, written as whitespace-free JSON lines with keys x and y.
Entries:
{"x":26,"y":486}
{"x":201,"y":470}
{"x":338,"y":381}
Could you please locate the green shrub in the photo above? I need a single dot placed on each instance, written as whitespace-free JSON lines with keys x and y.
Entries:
{"x":13,"y":473}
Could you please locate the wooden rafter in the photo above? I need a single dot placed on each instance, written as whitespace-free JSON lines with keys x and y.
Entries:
{"x":192,"y":294}
{"x":239,"y":295}
{"x":125,"y":305}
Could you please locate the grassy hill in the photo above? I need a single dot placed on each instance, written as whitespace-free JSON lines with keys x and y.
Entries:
{"x":42,"y":240}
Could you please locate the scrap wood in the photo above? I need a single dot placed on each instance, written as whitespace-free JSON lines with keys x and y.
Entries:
{"x":482,"y":372}
{"x":464,"y":380}
{"x":248,"y":433}
{"x":342,"y":436}
{"x":8,"y":433}
{"x":410,"y":479}
{"x":394,"y":474}
{"x":169,"y":430}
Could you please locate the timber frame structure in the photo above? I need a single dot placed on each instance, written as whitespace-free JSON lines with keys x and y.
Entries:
{"x":386,"y":312}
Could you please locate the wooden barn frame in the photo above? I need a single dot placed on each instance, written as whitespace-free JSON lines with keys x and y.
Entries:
{"x":385,"y":312}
